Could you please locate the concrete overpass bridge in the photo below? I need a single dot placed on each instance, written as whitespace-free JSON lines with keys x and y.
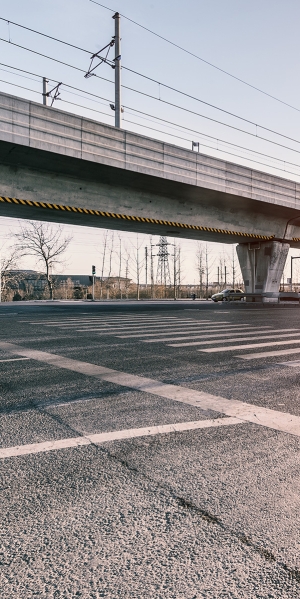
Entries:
{"x":59,"y":167}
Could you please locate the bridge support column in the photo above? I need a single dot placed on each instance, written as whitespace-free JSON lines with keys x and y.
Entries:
{"x":262,"y":266}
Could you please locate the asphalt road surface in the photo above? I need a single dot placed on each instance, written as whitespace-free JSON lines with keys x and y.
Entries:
{"x":149,"y":451}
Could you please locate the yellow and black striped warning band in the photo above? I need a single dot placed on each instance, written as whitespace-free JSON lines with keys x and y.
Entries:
{"x":128,"y":217}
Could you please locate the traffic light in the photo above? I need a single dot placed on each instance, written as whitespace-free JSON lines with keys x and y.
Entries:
{"x":93,"y":270}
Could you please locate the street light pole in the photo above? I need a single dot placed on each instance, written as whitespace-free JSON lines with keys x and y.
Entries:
{"x":293,"y":258}
{"x":93,"y":275}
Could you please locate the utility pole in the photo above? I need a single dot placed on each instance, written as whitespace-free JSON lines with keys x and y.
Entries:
{"x":117,"y":62}
{"x":93,"y":275}
{"x":152,"y":272}
{"x":163,"y":269}
{"x":146,"y":266}
{"x":225,"y":268}
{"x":45,"y":89}
{"x":174,"y":274}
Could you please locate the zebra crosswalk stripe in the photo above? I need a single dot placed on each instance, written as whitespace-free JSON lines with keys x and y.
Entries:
{"x":250,"y":346}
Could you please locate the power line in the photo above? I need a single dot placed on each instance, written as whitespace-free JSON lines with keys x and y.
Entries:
{"x":170,"y":122}
{"x":206,"y":103}
{"x":223,"y":151}
{"x":50,"y":58}
{"x":230,"y":126}
{"x":176,"y":126}
{"x":171,"y":104}
{"x":166,"y":133}
{"x":55,"y":39}
{"x":201,"y":59}
{"x":158,"y":83}
{"x":153,"y":117}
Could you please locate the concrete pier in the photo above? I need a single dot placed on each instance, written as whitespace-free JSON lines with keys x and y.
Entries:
{"x":262,"y":266}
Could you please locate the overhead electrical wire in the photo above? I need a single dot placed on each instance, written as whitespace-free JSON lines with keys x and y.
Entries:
{"x":148,"y":115}
{"x":153,"y":81}
{"x":225,"y":151}
{"x":199,"y":58}
{"x":174,"y":105}
{"x":50,"y":58}
{"x":55,"y":39}
{"x":166,"y":133}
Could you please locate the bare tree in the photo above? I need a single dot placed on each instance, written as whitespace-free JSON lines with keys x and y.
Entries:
{"x":103,"y":262}
{"x":127,"y":261}
{"x":110,"y":258}
{"x":46,"y":243}
{"x":200,"y":265}
{"x":9,"y":275}
{"x":138,"y":264}
{"x":120,"y":265}
{"x":208,"y":266}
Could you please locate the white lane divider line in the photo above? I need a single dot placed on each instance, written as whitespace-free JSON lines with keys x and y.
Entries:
{"x":249,"y":346}
{"x":99,"y":438}
{"x":270,"y":354}
{"x":272,"y":419}
{"x":211,"y":333}
{"x":14,"y":359}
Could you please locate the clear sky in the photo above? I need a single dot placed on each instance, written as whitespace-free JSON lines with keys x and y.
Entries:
{"x":255,"y":41}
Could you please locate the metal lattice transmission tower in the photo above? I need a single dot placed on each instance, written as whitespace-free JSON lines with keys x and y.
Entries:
{"x":163,"y":270}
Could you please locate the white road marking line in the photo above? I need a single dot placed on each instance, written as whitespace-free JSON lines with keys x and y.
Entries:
{"x":14,"y":359}
{"x":248,"y":346}
{"x":272,"y":419}
{"x":109,"y":327}
{"x":105,"y":320}
{"x":193,"y":336}
{"x":99,"y":438}
{"x":294,"y":364}
{"x":249,"y":337}
{"x":269,"y":354}
{"x":197,"y":329}
{"x":127,"y":327}
{"x":131,"y":331}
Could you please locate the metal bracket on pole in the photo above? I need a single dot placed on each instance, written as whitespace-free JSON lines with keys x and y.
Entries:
{"x":90,"y":72}
{"x":56,"y":93}
{"x":117,"y":62}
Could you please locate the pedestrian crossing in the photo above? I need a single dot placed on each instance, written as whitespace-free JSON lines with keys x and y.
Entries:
{"x":206,"y":335}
